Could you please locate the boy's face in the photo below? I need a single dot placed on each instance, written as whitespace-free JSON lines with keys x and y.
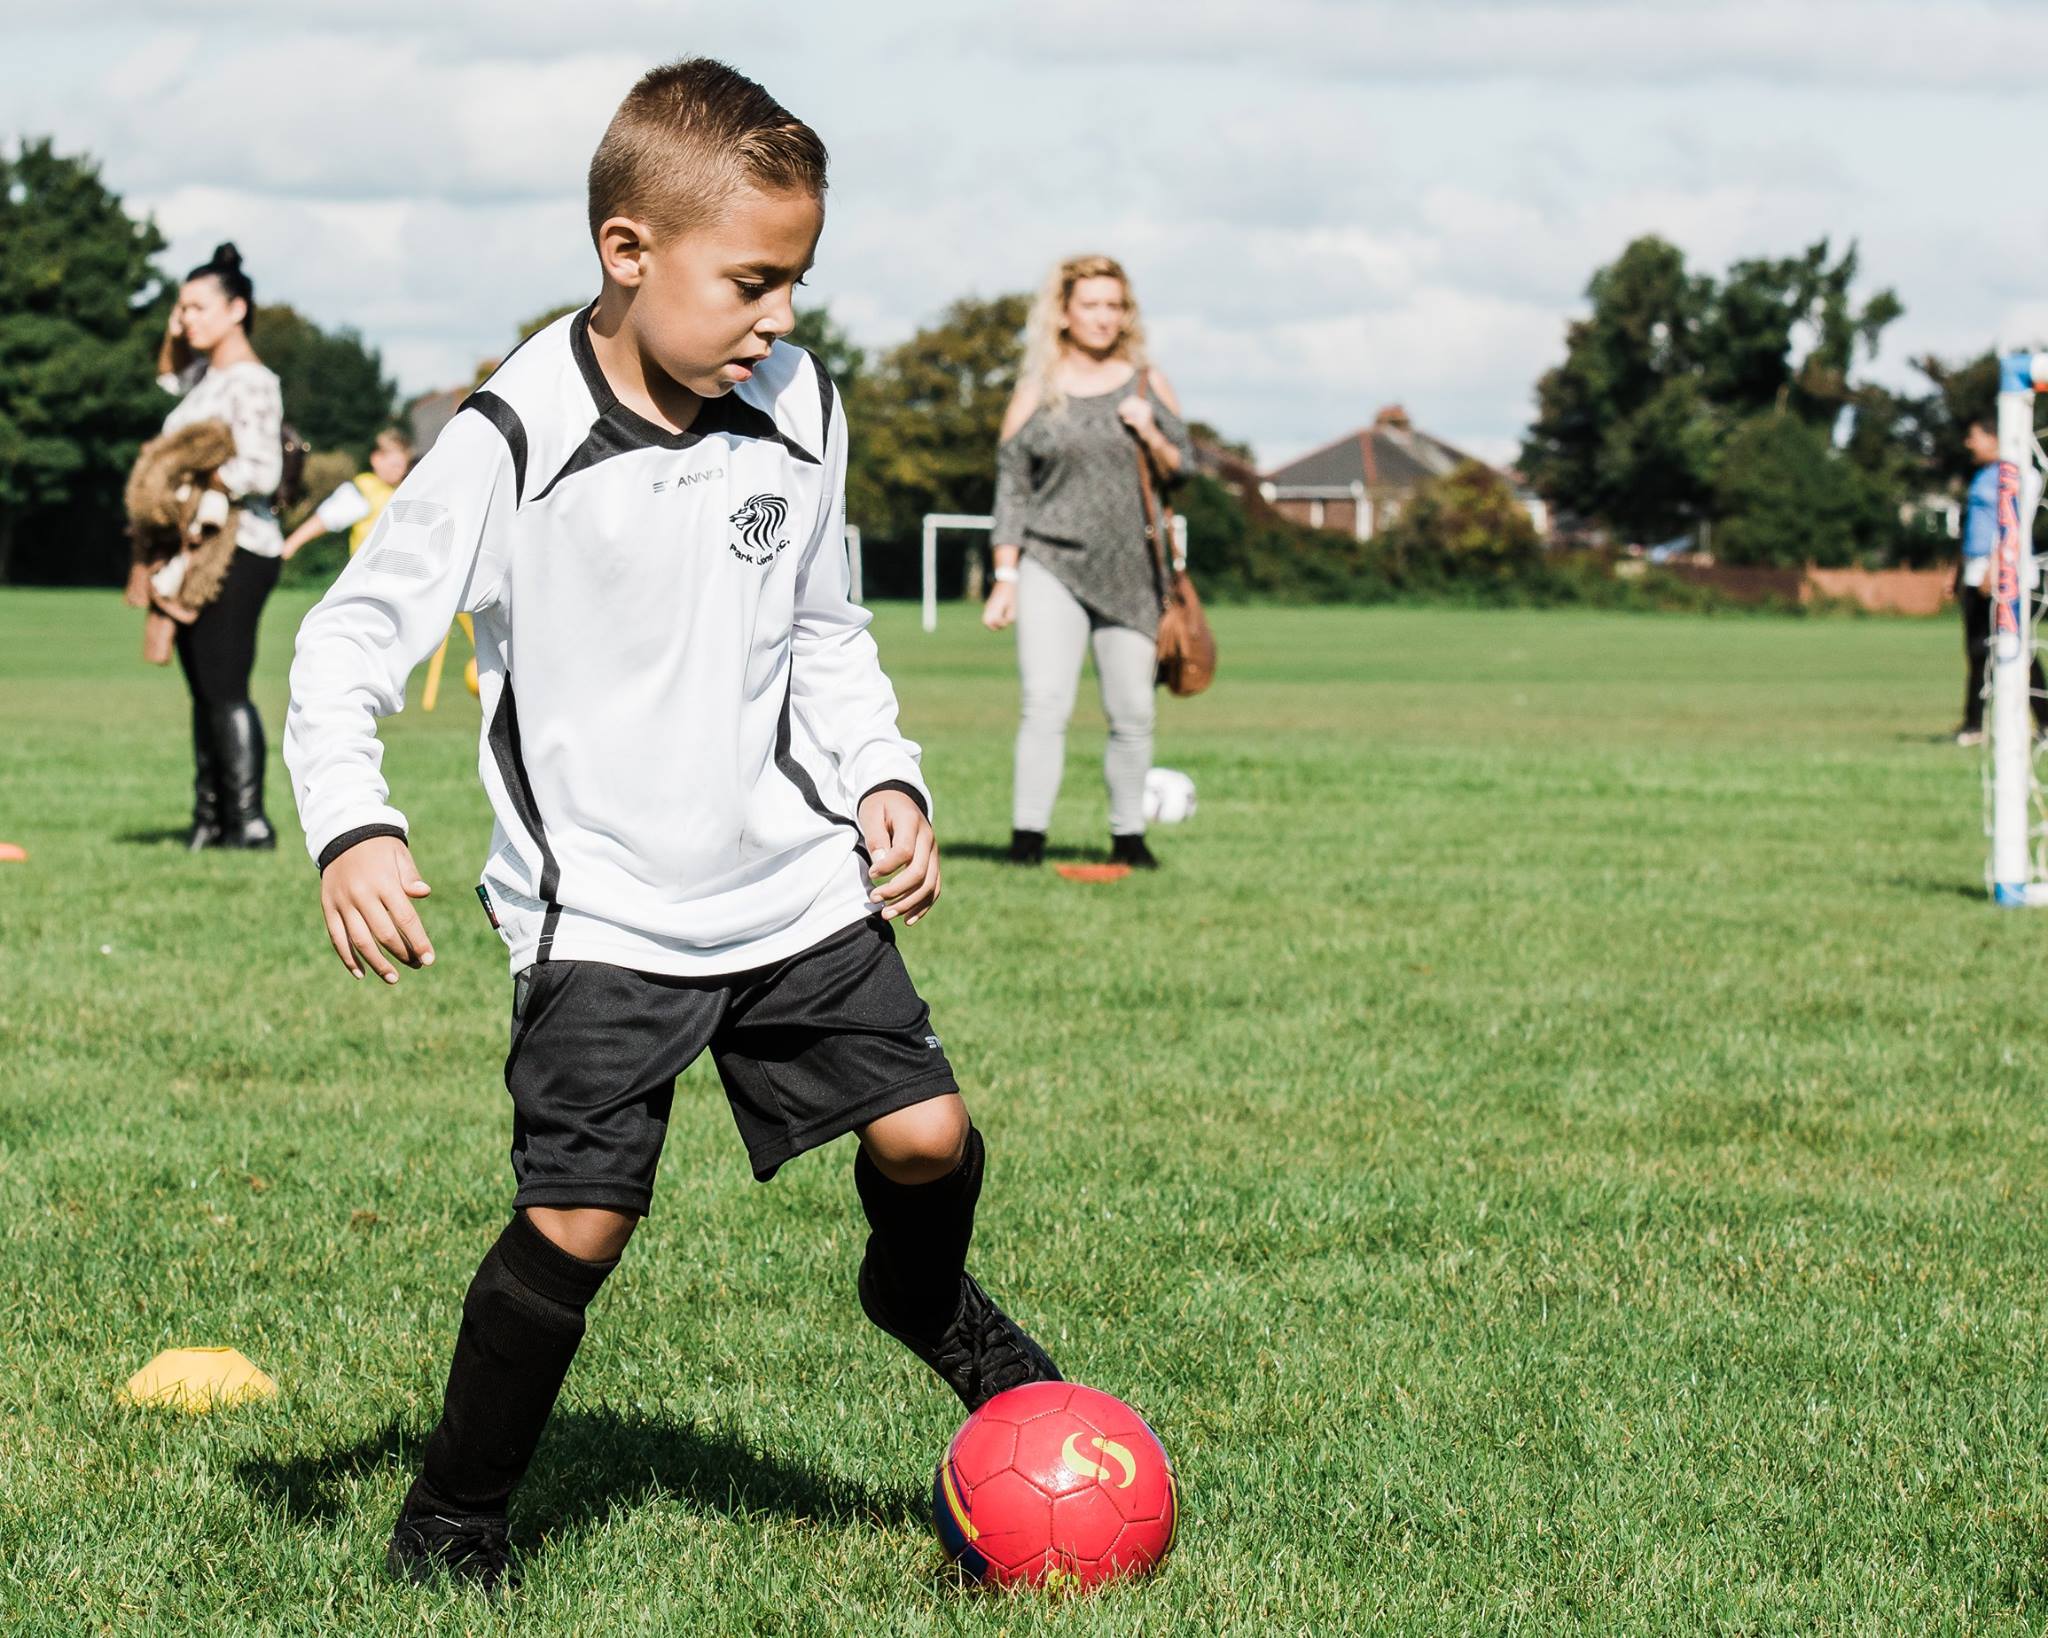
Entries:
{"x":1981,"y":442}
{"x":709,"y":302}
{"x":389,"y":464}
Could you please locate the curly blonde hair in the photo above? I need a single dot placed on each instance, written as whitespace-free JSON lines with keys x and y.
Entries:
{"x":1046,"y":329}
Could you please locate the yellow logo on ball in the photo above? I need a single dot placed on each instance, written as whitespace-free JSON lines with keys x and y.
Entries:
{"x":1070,"y":1453}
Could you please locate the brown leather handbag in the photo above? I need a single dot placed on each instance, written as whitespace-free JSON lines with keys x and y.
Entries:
{"x":1187,"y":647}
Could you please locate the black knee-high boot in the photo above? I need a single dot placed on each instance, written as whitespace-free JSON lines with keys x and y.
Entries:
{"x":521,"y":1323}
{"x":238,"y":743}
{"x":205,"y":831}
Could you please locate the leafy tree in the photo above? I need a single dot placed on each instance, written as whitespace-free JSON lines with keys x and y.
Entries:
{"x":335,"y":390}
{"x":844,"y":361}
{"x":927,"y":417}
{"x":1465,"y":525}
{"x":1633,"y":427}
{"x":1610,"y":441}
{"x":81,"y":312}
{"x":1960,"y":393}
{"x":1785,"y":497}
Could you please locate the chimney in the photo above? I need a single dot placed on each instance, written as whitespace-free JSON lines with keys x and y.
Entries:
{"x":1391,"y":415}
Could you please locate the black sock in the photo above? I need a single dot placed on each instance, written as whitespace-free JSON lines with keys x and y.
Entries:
{"x":918,"y":1249}
{"x":521,"y":1323}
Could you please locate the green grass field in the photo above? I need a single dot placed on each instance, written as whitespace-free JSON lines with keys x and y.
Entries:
{"x":1558,"y":1149}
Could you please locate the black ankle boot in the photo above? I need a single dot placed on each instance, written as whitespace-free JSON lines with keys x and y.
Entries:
{"x":205,"y":831}
{"x":1027,"y":847}
{"x":238,"y":743}
{"x":1132,"y":851}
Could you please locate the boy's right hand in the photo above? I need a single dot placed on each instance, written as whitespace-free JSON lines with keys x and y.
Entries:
{"x":366,"y":895}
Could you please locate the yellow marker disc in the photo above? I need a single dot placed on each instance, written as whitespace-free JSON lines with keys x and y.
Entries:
{"x":197,"y":1380}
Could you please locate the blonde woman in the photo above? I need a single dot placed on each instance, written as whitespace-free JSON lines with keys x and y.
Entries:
{"x":1073,"y":569}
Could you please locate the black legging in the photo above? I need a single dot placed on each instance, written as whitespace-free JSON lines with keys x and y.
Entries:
{"x":1977,"y":651}
{"x":218,"y":650}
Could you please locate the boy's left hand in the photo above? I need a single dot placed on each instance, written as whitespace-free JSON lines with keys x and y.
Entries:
{"x":904,"y":856}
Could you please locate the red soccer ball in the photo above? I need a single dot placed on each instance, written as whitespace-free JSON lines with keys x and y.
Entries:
{"x":1054,"y":1479}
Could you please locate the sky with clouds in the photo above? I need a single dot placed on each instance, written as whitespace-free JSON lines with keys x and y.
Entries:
{"x":1326,"y":205}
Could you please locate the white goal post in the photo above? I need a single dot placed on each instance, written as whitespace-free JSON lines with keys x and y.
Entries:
{"x":2017,"y":871}
{"x":935,"y":521}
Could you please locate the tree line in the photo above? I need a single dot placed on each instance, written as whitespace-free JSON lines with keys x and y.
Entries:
{"x":1730,"y":408}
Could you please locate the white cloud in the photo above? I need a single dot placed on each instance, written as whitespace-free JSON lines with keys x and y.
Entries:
{"x":1328,"y":204}
{"x":1568,"y":42}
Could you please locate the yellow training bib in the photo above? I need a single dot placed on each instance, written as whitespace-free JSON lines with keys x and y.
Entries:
{"x":376,"y":491}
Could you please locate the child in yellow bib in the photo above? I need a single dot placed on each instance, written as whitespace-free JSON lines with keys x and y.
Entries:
{"x":356,"y":506}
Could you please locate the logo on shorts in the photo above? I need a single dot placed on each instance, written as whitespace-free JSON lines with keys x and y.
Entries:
{"x":759,"y":523}
{"x":932,"y":1041}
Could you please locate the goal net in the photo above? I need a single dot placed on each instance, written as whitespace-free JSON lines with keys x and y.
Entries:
{"x":2016,"y":814}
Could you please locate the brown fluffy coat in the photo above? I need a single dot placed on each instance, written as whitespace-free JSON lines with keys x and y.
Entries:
{"x":164,"y":490}
{"x":171,"y":476}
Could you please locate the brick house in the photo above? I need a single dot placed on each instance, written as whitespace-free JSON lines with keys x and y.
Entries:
{"x":1359,"y":482}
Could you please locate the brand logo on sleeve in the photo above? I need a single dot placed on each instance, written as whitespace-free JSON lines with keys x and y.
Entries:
{"x":758,"y":527}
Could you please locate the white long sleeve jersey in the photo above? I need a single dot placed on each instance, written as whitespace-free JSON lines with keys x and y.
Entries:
{"x":682,"y":707}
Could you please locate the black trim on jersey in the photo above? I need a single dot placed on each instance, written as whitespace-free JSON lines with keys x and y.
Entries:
{"x":825,"y":396}
{"x":349,"y":838}
{"x":504,"y":741}
{"x":620,"y":430}
{"x":906,"y":788}
{"x":795,"y":773}
{"x":506,"y":419}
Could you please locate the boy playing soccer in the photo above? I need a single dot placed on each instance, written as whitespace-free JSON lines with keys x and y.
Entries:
{"x":706,"y":819}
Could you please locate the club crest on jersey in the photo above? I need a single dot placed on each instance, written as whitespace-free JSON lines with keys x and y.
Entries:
{"x":759,"y":538}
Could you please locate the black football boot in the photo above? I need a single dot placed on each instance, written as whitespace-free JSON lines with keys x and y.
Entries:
{"x":981,"y":1351}
{"x":426,"y":1544}
{"x":1027,"y":847}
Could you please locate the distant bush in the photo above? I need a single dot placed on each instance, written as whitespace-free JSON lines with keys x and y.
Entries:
{"x":1463,"y":538}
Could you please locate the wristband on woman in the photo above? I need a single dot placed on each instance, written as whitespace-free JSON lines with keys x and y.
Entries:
{"x":1006,"y":574}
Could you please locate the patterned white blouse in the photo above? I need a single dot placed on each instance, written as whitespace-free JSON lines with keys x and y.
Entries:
{"x":248,"y":398}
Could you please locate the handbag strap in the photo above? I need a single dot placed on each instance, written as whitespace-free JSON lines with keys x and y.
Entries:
{"x":1158,"y":515}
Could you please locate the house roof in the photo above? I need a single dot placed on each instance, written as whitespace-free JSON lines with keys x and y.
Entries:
{"x":432,"y":411}
{"x":1388,"y":454}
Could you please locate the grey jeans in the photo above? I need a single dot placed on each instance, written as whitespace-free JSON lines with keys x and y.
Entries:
{"x":1054,"y":628}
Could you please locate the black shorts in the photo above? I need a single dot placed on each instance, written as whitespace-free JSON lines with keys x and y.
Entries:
{"x":808,"y":1048}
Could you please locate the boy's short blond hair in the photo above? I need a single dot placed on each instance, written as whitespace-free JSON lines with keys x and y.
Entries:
{"x":687,"y":138}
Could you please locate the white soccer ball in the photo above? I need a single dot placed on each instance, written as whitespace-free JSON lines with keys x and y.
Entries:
{"x":1169,"y":797}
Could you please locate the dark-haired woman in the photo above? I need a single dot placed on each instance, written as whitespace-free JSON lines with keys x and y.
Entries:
{"x":207,"y":360}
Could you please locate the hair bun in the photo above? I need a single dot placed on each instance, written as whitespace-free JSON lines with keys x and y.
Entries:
{"x":227,"y":258}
